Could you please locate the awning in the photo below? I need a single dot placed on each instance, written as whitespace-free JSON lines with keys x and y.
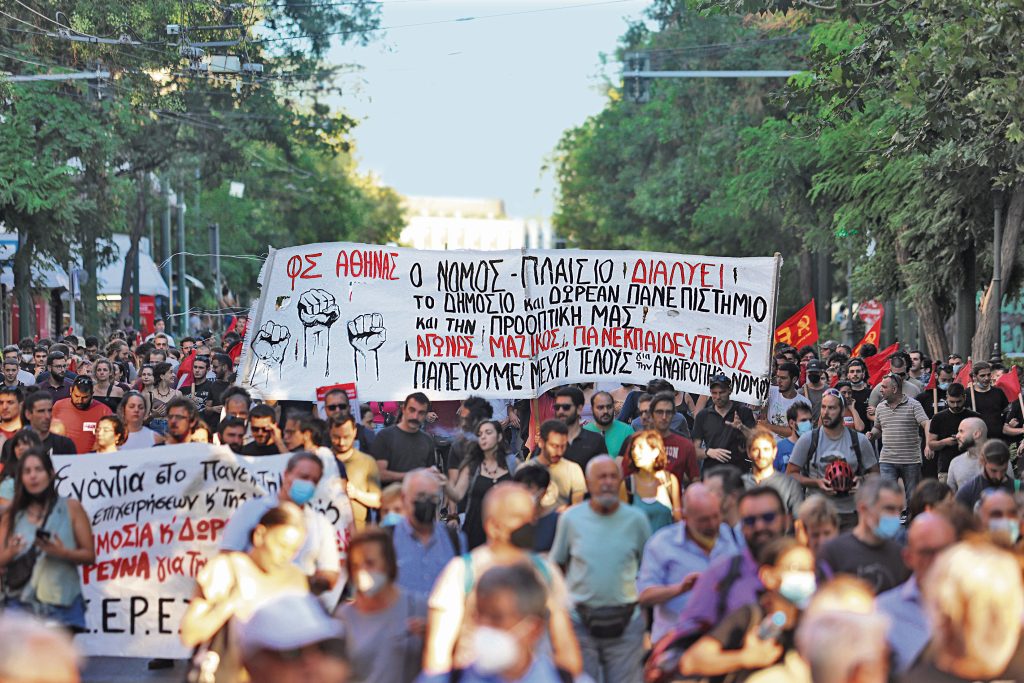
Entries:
{"x":151,"y":283}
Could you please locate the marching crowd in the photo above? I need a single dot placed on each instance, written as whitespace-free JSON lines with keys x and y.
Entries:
{"x":863,"y":525}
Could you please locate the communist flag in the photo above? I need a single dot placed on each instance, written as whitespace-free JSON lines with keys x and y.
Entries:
{"x":801,"y":329}
{"x":874,"y":334}
{"x":878,"y":364}
{"x":964,"y":376}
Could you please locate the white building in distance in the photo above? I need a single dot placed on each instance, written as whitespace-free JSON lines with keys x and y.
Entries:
{"x":459,"y":223}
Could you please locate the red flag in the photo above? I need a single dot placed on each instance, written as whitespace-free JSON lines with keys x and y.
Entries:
{"x":878,"y":365}
{"x":801,"y":328}
{"x":185,"y":370}
{"x":1010,"y":384}
{"x":872,"y":337}
{"x":933,"y":380}
{"x":231,"y":327}
{"x":964,"y":376}
{"x":234,"y":351}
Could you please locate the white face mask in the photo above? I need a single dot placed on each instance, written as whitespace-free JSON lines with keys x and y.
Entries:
{"x":494,"y":650}
{"x":798,"y":587}
{"x":370,"y":583}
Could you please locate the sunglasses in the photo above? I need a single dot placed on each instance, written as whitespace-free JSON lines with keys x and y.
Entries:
{"x":563,"y":406}
{"x":335,"y":406}
{"x":766,"y":517}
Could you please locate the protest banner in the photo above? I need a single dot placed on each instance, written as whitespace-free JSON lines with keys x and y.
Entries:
{"x":157,"y":516}
{"x":801,"y":329}
{"x":505,"y":324}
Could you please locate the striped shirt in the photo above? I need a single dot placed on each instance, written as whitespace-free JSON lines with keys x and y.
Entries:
{"x":901,"y":441}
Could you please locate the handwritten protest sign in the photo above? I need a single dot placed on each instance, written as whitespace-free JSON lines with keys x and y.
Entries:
{"x":157,"y":516}
{"x":506,"y":324}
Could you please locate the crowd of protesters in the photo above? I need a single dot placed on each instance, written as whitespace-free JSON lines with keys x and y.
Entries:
{"x":863,"y":524}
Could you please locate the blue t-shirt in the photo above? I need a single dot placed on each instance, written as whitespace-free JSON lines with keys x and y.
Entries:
{"x":785,"y":449}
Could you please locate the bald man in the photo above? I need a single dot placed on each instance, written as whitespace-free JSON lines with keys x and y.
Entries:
{"x":600,"y":543}
{"x":970,"y":437}
{"x":676,"y":555}
{"x":509,"y":515}
{"x":910,"y":630}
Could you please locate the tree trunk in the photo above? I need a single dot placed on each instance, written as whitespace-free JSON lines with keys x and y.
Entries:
{"x":928,"y":313}
{"x":806,"y":274}
{"x":129,"y":258}
{"x":986,"y":330}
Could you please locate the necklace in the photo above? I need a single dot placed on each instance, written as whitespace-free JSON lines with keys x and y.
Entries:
{"x":489,"y":473}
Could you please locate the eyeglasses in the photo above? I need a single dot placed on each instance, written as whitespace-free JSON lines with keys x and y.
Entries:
{"x":260,"y":430}
{"x":663,"y":412}
{"x":766,"y":517}
{"x":563,"y":406}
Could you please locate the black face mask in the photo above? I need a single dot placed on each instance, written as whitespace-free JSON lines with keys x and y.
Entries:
{"x":424,"y":510}
{"x":523,"y":536}
{"x":814,"y":377}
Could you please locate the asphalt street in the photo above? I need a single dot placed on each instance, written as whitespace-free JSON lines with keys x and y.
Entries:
{"x":118,"y":669}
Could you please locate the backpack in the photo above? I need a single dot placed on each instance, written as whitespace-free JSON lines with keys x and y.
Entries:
{"x":854,"y":439}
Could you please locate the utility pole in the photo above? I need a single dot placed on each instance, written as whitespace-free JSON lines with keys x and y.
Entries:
{"x":215,"y":259}
{"x":182,"y":284}
{"x":165,"y":245}
{"x":997,"y":272}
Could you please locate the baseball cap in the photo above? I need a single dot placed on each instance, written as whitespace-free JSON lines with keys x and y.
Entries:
{"x":831,"y":345}
{"x":815,"y":365}
{"x":289,"y":622}
{"x":720,"y":379}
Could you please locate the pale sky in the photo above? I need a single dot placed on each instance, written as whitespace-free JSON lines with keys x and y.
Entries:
{"x":473,"y":108}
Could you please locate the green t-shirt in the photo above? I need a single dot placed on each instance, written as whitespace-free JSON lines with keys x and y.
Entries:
{"x":602,"y":553}
{"x":616,"y":435}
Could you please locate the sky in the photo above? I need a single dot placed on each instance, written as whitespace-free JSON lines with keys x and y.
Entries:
{"x":473,"y":108}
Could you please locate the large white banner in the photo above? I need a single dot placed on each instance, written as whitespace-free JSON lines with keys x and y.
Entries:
{"x":507,"y":324}
{"x":157,"y":516}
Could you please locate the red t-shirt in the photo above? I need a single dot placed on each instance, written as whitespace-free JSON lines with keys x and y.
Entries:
{"x":80,"y":425}
{"x":680,"y":453}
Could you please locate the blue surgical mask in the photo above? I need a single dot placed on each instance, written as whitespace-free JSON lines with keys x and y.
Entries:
{"x":391,"y":519}
{"x":943,"y":385}
{"x":888,"y":526}
{"x":798,"y":587}
{"x":301,"y":491}
{"x":1008,"y":527}
{"x":803,"y":427}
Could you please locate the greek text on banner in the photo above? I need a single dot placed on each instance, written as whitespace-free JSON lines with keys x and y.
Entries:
{"x":506,"y":324}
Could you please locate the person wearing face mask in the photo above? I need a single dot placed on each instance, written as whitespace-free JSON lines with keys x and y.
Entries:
{"x":995,"y":474}
{"x":811,"y":455}
{"x":868,"y":551}
{"x":909,"y":628}
{"x":318,"y":557}
{"x":782,"y":396}
{"x":999,"y":514}
{"x":945,"y":426}
{"x":762,"y":450}
{"x":675,"y":556}
{"x":509,"y":522}
{"x":536,"y":480}
{"x":600,"y":544}
{"x":933,"y":399}
{"x":814,"y":387}
{"x":798,"y":417}
{"x":508,"y":645}
{"x":970,"y":438}
{"x":384,"y":624}
{"x":759,"y":634}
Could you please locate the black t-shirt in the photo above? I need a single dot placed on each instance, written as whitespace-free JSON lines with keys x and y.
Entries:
{"x":881,"y":566}
{"x":587,"y":445}
{"x":927,"y":398}
{"x":55,"y":444}
{"x":403,"y":451}
{"x":944,"y":425}
{"x":253,"y":448}
{"x":207,"y":393}
{"x":860,"y":404}
{"x":715,"y":431}
{"x":1014,"y":413}
{"x":990,"y":405}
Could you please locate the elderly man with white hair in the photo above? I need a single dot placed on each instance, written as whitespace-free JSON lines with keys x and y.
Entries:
{"x":600,"y":544}
{"x":423,"y":545}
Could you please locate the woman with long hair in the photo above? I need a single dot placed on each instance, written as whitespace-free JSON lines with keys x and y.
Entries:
{"x":21,"y":443}
{"x":110,"y":434}
{"x":233,"y":585}
{"x":133,"y":410}
{"x":54,"y":529}
{"x":652,"y":488}
{"x":105,"y":389}
{"x":487,"y":462}
{"x":160,"y":394}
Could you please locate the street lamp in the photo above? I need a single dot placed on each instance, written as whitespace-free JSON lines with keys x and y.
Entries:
{"x":997,"y":268}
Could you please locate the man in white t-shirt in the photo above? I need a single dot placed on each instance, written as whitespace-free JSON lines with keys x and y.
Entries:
{"x":509,"y":521}
{"x":781,"y":396}
{"x":568,"y":484}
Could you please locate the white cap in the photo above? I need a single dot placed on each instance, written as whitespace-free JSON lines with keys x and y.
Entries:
{"x":288,"y":622}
